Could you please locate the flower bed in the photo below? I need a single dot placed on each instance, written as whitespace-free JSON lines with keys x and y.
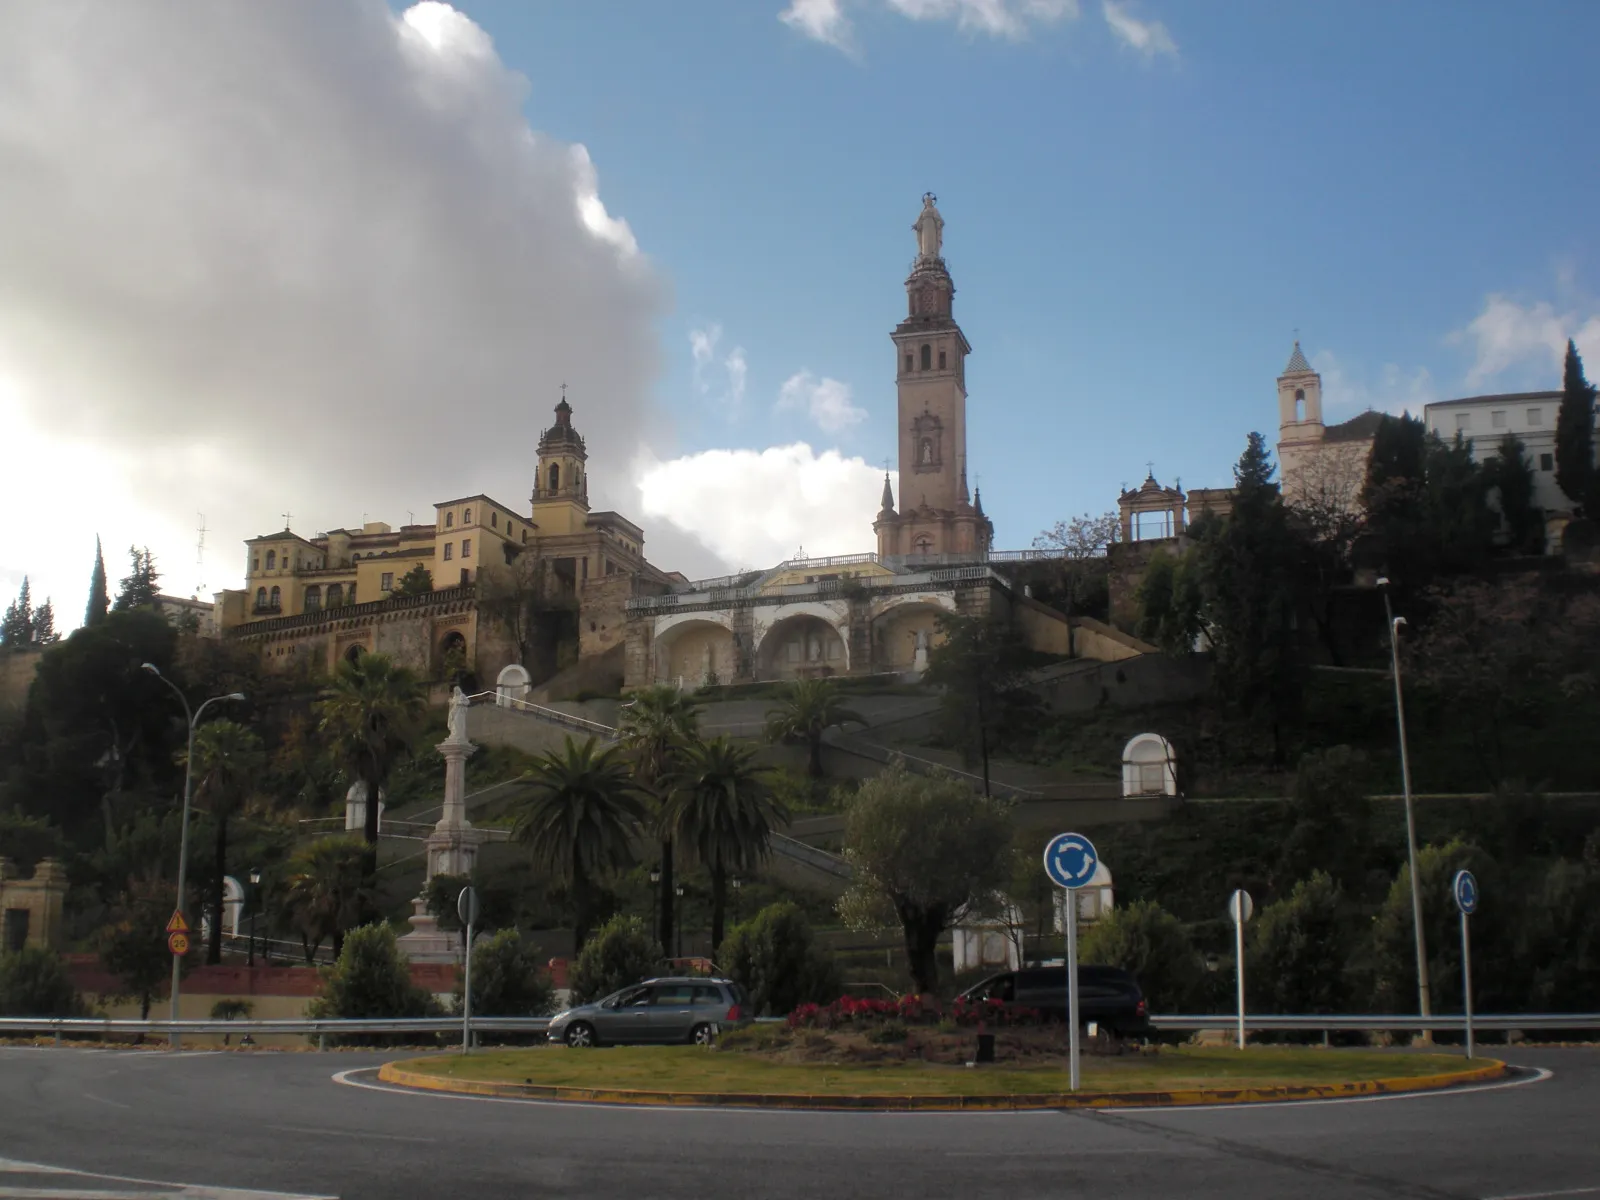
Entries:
{"x":860,"y":1012}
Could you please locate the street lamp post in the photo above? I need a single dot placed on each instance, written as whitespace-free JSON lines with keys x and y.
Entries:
{"x":255,"y":910}
{"x":193,"y":717}
{"x":1424,"y":993}
{"x":655,"y":902}
{"x":678,"y":891}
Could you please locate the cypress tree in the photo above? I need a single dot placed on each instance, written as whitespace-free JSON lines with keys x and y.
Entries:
{"x":16,"y":627}
{"x":99,"y":596}
{"x":1575,"y":471}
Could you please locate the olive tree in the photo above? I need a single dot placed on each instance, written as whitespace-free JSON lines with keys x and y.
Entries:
{"x":922,"y":849}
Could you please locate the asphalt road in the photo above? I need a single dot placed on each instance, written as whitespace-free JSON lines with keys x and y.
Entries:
{"x":282,"y":1123}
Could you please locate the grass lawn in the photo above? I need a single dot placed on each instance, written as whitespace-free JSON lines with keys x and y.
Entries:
{"x":690,"y":1069}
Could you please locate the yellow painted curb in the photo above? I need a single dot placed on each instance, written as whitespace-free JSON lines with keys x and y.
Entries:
{"x":397,"y":1074}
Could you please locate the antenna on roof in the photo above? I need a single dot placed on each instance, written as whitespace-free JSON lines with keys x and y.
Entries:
{"x":200,"y":554}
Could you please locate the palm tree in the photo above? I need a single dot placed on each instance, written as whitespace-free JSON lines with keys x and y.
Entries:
{"x":227,"y":763}
{"x":371,"y":715}
{"x":579,"y":818}
{"x":723,"y":808}
{"x":653,"y":728}
{"x":811,"y":706}
{"x":328,"y":889}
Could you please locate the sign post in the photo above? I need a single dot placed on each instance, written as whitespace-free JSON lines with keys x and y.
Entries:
{"x":1465,"y":889}
{"x":1069,"y":861}
{"x":178,"y":934}
{"x":467,"y":910}
{"x":1240,"y":908}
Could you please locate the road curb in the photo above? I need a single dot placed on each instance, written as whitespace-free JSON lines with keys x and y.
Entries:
{"x":397,"y":1074}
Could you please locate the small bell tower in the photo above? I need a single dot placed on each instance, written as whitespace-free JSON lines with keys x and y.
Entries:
{"x":560,"y":498}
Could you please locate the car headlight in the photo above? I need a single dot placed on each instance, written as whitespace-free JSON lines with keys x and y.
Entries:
{"x":561,"y":1016}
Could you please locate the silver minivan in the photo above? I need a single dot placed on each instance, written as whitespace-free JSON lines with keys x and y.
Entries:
{"x":656,"y":1011}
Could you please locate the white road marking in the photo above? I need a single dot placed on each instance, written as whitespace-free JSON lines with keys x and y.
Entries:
{"x":171,"y":1190}
{"x":1540,"y":1075}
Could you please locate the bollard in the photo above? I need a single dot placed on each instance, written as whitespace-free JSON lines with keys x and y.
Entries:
{"x":322,"y":1042}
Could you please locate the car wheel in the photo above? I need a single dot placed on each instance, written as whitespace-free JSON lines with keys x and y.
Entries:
{"x":701,"y":1035}
{"x":581,"y":1035}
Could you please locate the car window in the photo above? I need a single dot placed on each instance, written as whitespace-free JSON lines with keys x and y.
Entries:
{"x":635,"y":999}
{"x":675,"y":993}
{"x":707,"y":995}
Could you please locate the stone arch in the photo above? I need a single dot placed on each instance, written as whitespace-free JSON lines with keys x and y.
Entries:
{"x":1149,"y":767}
{"x":353,"y":655}
{"x":512,"y":684}
{"x":803,"y":645}
{"x":904,"y":626}
{"x":1299,"y":404}
{"x":697,"y":649}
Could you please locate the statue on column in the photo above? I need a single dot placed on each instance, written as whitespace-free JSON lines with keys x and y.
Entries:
{"x":929,"y":228}
{"x":458,"y":715}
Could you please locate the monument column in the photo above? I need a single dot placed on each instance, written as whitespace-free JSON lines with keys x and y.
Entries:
{"x":452,"y":847}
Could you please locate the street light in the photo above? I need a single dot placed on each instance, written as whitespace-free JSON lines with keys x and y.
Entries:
{"x":1424,"y":995}
{"x":188,"y":785}
{"x":678,"y":891}
{"x":255,"y":910}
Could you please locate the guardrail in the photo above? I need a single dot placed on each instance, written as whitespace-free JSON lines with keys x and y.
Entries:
{"x":809,"y":855}
{"x":1361,"y":1022}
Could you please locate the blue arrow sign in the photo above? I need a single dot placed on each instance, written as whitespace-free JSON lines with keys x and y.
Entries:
{"x":1070,"y":860}
{"x":1465,"y":888}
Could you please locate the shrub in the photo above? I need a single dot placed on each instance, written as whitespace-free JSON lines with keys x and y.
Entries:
{"x":371,"y":979}
{"x":620,"y":953}
{"x":773,"y":956}
{"x":1298,"y":951}
{"x":507,"y":978}
{"x":871,"y":1013}
{"x":34,"y":983}
{"x":1150,"y":942}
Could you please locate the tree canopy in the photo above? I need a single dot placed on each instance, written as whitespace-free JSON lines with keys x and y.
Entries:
{"x":922,"y":849}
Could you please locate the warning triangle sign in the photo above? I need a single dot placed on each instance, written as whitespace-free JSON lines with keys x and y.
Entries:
{"x":177,"y":924}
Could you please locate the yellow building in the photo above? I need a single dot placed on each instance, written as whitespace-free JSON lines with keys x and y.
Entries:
{"x":494,"y":571}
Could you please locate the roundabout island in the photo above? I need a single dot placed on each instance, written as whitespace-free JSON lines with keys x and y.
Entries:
{"x":787,"y":1073}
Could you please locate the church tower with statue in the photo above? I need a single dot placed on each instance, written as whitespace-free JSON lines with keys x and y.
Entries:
{"x":938,"y":519}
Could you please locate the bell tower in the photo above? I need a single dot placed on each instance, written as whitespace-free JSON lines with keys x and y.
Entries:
{"x":561,"y":488}
{"x":936,"y":515}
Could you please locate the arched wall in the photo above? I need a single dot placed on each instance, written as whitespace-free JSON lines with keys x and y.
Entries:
{"x":895,"y":630}
{"x":802,"y":644}
{"x":698,"y":649}
{"x":1149,"y":767}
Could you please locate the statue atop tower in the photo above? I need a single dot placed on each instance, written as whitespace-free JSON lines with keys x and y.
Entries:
{"x":929,"y":228}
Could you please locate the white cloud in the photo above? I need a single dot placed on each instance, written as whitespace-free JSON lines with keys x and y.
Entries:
{"x":755,"y":508}
{"x":827,"y":21}
{"x":997,"y":18}
{"x":821,"y":21}
{"x":1396,"y":390}
{"x":1149,"y":38}
{"x":298,"y":255}
{"x":1507,"y":334}
{"x":826,"y":401}
{"x":703,"y":346}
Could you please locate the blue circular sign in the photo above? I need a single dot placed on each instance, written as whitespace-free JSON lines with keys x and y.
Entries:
{"x":1070,"y":860}
{"x":1465,"y":888}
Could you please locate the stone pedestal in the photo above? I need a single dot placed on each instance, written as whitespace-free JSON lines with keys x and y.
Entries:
{"x":452,"y":849}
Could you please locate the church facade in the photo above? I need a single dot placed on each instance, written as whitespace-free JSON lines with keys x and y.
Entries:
{"x":865,"y":613}
{"x":311,"y":601}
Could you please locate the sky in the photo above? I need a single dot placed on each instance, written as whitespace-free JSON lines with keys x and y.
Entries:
{"x":335,"y":258}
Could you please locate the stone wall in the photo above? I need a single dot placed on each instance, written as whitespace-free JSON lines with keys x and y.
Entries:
{"x":1131,"y":683}
{"x":1105,"y":643}
{"x":41,"y":898}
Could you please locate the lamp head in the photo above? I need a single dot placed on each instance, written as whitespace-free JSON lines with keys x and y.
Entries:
{"x":1383,"y":581}
{"x":255,"y":877}
{"x":151,"y":667}
{"x":1398,"y":621}
{"x":236,"y":696}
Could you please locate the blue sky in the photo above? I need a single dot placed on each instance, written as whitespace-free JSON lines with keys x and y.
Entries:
{"x":1134,"y":237}
{"x":335,"y":257}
